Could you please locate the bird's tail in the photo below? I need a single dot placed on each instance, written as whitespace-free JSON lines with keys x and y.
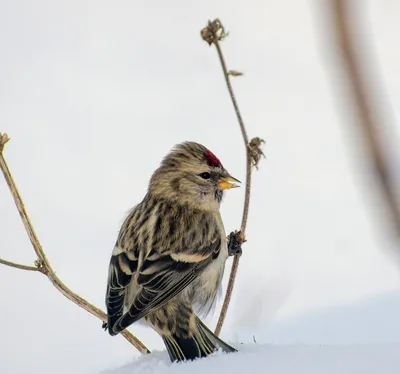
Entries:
{"x":203,"y":343}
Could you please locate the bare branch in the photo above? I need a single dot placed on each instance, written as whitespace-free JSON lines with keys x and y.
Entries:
{"x":18,"y":266}
{"x":43,"y":264}
{"x":370,"y":121}
{"x":213,"y":33}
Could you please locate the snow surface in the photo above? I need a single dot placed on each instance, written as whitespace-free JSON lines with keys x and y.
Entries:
{"x":361,"y":338}
{"x":371,"y":321}
{"x":272,"y":359}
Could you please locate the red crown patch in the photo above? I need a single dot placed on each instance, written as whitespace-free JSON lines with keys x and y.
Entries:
{"x":212,"y":159}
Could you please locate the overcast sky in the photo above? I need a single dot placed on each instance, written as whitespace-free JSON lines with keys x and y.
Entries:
{"x":93,"y":94}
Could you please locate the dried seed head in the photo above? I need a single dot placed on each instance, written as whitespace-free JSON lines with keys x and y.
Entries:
{"x":255,"y":150}
{"x":213,"y":32}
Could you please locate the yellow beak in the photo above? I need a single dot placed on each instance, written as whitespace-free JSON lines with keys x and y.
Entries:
{"x":226,"y":183}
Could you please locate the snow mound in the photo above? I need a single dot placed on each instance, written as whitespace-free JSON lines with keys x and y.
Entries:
{"x":274,"y":359}
{"x":371,"y":321}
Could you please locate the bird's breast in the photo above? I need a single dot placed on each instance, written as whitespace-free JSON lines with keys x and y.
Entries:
{"x":204,"y":289}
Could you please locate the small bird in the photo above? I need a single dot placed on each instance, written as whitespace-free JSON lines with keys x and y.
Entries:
{"x":170,"y":254}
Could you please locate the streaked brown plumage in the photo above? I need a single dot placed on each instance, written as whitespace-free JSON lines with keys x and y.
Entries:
{"x":170,"y":254}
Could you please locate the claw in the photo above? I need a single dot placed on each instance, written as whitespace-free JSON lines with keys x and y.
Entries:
{"x":235,"y":241}
{"x":104,"y":326}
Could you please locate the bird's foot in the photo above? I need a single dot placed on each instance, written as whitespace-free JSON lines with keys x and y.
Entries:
{"x":105,"y":326}
{"x":235,"y":241}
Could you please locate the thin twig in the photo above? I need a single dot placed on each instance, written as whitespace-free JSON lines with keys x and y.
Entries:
{"x":43,"y":264}
{"x":245,"y":139}
{"x":236,"y":259}
{"x":370,"y":122}
{"x":213,"y":33}
{"x":18,"y":266}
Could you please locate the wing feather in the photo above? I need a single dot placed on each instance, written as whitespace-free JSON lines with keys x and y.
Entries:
{"x":159,"y":287}
{"x":121,"y":269}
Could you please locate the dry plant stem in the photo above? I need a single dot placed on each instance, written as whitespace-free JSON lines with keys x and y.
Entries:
{"x":43,"y":264}
{"x":245,"y":139}
{"x":368,"y":118}
{"x":18,"y":266}
{"x":235,"y":263}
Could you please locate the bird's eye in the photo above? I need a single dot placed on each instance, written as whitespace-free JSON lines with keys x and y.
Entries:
{"x":205,"y":175}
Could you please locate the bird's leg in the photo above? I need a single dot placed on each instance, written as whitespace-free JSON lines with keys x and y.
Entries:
{"x":235,"y":241}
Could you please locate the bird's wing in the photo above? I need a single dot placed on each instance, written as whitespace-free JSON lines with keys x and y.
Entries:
{"x":161,"y":277}
{"x":123,"y":266}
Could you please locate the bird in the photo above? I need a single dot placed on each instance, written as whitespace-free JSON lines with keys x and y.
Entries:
{"x":169,"y":257}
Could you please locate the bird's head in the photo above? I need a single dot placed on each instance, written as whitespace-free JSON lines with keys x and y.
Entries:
{"x":192,"y":174}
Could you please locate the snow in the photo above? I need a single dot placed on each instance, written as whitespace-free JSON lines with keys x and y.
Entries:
{"x":361,"y":338}
{"x":373,"y":321}
{"x":272,"y":359}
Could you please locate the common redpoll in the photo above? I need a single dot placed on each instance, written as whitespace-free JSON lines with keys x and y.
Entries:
{"x":170,"y":254}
